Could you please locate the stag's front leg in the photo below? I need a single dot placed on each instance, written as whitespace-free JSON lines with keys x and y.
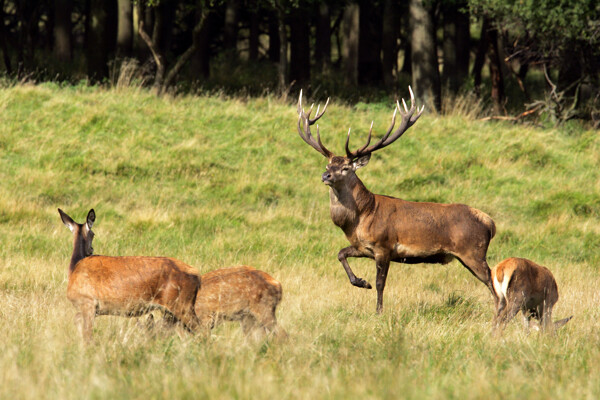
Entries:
{"x":352,"y":252}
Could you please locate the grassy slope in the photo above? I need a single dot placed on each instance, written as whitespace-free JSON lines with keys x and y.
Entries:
{"x":218,"y":183}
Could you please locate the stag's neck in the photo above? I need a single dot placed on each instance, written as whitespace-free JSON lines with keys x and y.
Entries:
{"x":78,"y":254}
{"x":348,"y":203}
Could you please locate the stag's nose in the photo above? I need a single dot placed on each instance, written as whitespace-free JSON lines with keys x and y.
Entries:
{"x":326,"y":176}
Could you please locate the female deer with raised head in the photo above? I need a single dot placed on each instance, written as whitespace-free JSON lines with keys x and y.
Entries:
{"x":522,"y":285}
{"x":388,"y":229}
{"x":126,"y":286}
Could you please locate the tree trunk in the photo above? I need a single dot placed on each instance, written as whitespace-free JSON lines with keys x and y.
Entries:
{"x":389,"y":41}
{"x":425,"y":72}
{"x":496,"y":72}
{"x":463,"y":45}
{"x":407,"y":63}
{"x":201,"y":58}
{"x":96,"y":46}
{"x":370,"y":70}
{"x":456,"y":47}
{"x":3,"y":41}
{"x":350,"y":29}
{"x":62,"y":30}
{"x":164,"y":18}
{"x":299,"y":47}
{"x":480,"y":56}
{"x":323,"y":39}
{"x":254,"y":33}
{"x":283,"y":49}
{"x":125,"y":29}
{"x":274,"y":43}
{"x":230,"y":30}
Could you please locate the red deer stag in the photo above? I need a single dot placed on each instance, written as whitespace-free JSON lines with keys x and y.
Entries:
{"x":126,"y":286}
{"x":522,"y":285}
{"x":388,"y":229}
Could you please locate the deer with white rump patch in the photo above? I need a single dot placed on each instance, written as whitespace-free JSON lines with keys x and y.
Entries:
{"x":522,"y":285}
{"x":125,"y":286}
{"x":388,"y":229}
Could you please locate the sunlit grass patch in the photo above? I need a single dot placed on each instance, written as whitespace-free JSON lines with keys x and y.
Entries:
{"x":218,"y":181}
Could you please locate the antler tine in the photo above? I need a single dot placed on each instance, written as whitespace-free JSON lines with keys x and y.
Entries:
{"x":326,"y":152}
{"x":304,"y":119}
{"x":370,"y":135}
{"x":317,"y":116}
{"x":408,"y":119}
{"x":349,"y":154}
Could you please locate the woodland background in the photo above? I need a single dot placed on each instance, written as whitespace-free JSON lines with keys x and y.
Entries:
{"x":530,"y":59}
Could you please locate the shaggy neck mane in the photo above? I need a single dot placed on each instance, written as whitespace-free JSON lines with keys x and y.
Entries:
{"x":348,"y":202}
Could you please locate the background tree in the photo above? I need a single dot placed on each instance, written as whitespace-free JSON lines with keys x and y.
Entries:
{"x":425,"y":72}
{"x":354,"y":48}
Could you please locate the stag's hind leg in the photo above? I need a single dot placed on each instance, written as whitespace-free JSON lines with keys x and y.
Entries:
{"x":383,"y":266}
{"x":352,"y":252}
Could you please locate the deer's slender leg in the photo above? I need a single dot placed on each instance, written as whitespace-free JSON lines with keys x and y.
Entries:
{"x":500,"y":305}
{"x":383,"y":265}
{"x":352,"y":252}
{"x":506,"y":315}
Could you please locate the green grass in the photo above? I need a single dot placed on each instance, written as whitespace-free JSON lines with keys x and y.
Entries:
{"x":218,"y":182}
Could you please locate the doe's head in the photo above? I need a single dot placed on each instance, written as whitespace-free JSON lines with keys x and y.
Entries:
{"x":82,"y":233}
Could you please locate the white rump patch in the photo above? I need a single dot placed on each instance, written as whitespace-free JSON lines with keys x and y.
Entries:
{"x":502,"y":289}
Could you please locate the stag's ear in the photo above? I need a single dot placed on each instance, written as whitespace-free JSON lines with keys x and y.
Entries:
{"x":361,"y":161}
{"x":91,"y":217}
{"x":68,"y":221}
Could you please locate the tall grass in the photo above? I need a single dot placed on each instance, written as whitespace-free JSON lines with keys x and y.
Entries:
{"x":218,"y":182}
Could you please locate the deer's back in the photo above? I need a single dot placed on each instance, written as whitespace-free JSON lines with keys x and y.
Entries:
{"x":117,"y":281}
{"x":236,"y":290}
{"x":444,"y":226}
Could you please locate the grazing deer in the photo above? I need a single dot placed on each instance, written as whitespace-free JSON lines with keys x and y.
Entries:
{"x":388,"y":229}
{"x":522,"y":285}
{"x":242,"y":294}
{"x":126,"y":286}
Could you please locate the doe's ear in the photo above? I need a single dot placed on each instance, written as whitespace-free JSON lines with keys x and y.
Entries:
{"x":361,"y":161}
{"x":91,"y":217}
{"x":68,"y":221}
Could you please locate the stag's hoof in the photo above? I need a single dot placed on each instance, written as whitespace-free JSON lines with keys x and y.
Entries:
{"x":359,"y":282}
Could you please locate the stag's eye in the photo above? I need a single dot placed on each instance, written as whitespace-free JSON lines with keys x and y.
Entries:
{"x":345,"y":169}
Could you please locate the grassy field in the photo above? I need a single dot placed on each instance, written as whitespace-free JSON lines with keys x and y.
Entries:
{"x":220,"y":182}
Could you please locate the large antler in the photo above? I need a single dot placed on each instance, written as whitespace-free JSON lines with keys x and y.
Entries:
{"x":304,"y":119}
{"x":408,"y":119}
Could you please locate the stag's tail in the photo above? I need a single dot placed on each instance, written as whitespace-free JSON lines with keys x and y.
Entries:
{"x":485,"y":220}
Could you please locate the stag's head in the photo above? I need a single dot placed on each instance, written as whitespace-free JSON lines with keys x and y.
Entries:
{"x":81,"y":232}
{"x":341,"y":168}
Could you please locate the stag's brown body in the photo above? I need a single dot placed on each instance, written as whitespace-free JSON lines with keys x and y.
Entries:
{"x":388,"y":229}
{"x":126,"y":286}
{"x":242,"y":294}
{"x":522,"y":285}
